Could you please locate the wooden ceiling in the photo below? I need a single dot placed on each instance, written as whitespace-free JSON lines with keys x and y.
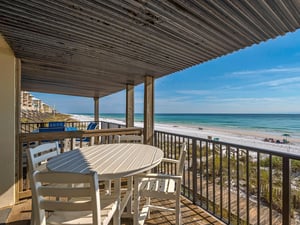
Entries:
{"x":94,"y":48}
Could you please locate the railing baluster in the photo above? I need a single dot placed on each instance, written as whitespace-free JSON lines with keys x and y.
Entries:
{"x":270,"y":190}
{"x":155,"y":138}
{"x":214,"y":177}
{"x":189,"y":164}
{"x":201,"y":173}
{"x":286,"y":191}
{"x":160,"y":140}
{"x":258,"y":188}
{"x":247,"y":192}
{"x":207,"y":176}
{"x":194,"y":169}
{"x":167,"y":152}
{"x":238,"y":185}
{"x":229,"y":184}
{"x":181,"y":140}
{"x":221,"y":181}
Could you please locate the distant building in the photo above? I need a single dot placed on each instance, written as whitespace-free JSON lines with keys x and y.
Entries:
{"x":30,"y":103}
{"x":37,"y":105}
{"x":47,"y":109}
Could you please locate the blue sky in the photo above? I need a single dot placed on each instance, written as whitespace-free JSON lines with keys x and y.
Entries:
{"x":263,"y":78}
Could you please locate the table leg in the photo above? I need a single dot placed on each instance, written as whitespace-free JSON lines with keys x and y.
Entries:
{"x":117,"y":215}
{"x":136,"y":202}
{"x":130,"y":188}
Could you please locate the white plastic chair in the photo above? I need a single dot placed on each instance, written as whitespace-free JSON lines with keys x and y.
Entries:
{"x":130,"y":139}
{"x":129,"y":180}
{"x":160,"y":186}
{"x":39,"y":155}
{"x":37,"y":158}
{"x":70,"y":204}
{"x":124,"y":139}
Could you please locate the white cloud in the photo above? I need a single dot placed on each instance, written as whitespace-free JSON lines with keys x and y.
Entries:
{"x":277,"y":70}
{"x":251,"y":100}
{"x":280,"y":82}
{"x":194,"y":92}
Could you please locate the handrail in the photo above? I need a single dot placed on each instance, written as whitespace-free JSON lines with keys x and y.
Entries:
{"x":27,"y":137}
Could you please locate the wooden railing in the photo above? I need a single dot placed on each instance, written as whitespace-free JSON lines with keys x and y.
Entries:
{"x":80,"y":125}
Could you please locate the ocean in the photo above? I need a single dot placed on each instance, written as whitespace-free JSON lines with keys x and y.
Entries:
{"x":267,"y":123}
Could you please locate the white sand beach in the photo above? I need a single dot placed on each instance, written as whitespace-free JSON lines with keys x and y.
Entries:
{"x":241,"y":137}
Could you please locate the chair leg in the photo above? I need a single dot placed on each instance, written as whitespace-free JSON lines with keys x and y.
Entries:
{"x":33,"y":206}
{"x":148,"y":202}
{"x":178,"y":212}
{"x":32,"y":220}
{"x":117,"y":214}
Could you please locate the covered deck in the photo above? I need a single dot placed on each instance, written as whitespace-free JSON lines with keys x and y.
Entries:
{"x":97,"y":48}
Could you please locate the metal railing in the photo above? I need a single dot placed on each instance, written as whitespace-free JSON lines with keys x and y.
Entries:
{"x":237,"y":184}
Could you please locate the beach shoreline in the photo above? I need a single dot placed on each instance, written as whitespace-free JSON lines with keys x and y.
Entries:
{"x":252,"y":138}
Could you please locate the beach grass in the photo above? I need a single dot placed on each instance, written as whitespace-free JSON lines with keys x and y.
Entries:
{"x":33,"y":117}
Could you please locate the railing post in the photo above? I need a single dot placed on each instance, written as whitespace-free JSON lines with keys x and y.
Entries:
{"x":286,"y":191}
{"x":194,"y":169}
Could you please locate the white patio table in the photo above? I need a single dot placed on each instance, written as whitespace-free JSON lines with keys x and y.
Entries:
{"x":110,"y":161}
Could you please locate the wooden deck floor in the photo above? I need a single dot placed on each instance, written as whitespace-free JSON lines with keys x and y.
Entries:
{"x":191,"y":214}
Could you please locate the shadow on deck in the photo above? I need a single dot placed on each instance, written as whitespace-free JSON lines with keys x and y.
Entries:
{"x":191,"y":214}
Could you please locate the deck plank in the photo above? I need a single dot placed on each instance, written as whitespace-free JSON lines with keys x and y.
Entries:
{"x":191,"y":214}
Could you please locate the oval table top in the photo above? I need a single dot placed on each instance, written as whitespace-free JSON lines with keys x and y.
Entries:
{"x":110,"y":161}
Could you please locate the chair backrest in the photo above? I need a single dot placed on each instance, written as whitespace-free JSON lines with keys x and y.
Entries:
{"x":129,"y":139}
{"x":41,"y":153}
{"x":181,"y":160}
{"x":56,"y":124}
{"x":54,"y":192}
{"x":51,"y":129}
{"x":92,"y":126}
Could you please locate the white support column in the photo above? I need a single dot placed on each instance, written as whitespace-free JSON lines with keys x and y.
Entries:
{"x":149,"y":110}
{"x":19,"y":155}
{"x":9,"y":73}
{"x":129,"y":105}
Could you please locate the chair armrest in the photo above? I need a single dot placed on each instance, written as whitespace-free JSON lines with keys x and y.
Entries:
{"x":170,"y":160}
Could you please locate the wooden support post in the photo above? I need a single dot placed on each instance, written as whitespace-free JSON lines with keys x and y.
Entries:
{"x":96,"y":109}
{"x":129,"y":105}
{"x":149,"y":110}
{"x":96,"y":117}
